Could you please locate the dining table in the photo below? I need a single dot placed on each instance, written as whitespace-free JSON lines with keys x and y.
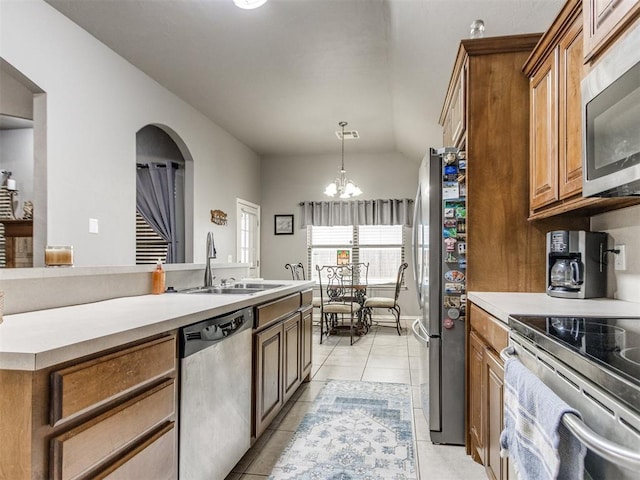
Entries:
{"x":359,"y":295}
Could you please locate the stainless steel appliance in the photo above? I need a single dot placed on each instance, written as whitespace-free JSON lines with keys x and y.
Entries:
{"x":589,"y":363}
{"x":575,"y":264}
{"x":439,"y":240}
{"x":215,"y":395}
{"x":611,"y":121}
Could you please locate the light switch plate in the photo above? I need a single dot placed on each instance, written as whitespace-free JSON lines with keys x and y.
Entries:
{"x":620,"y":262}
{"x":93,"y":225}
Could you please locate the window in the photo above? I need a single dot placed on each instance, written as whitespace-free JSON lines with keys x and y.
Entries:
{"x":382,"y":246}
{"x":149,"y":245}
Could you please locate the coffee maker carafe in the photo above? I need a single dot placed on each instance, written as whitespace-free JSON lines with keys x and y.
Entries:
{"x":575,"y":264}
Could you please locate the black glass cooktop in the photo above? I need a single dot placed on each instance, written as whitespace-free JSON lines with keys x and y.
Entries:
{"x":605,"y":350}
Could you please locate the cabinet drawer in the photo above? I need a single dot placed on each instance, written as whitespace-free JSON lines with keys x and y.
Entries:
{"x":306,"y":297}
{"x":155,"y":458}
{"x":81,"y":449}
{"x":269,"y":312}
{"x":90,"y":383}
{"x":493,"y":331}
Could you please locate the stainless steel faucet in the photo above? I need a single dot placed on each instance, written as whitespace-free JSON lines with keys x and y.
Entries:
{"x":211,"y":253}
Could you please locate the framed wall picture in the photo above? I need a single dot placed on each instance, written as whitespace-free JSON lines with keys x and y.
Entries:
{"x":283,"y":224}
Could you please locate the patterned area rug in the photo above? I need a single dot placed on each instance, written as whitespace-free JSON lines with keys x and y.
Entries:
{"x":353,"y":431}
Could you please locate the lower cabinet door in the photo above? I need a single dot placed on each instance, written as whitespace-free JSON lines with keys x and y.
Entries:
{"x":307,"y":341}
{"x":476,"y":397}
{"x":268,"y":371}
{"x":292,"y":355}
{"x":496,"y":466}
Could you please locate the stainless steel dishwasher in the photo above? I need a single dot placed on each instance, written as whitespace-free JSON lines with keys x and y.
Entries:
{"x":215,"y":395}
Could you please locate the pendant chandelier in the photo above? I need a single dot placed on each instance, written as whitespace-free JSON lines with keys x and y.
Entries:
{"x":342,"y":186}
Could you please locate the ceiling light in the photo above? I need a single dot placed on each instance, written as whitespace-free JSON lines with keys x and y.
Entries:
{"x":341,"y":185}
{"x":249,"y":4}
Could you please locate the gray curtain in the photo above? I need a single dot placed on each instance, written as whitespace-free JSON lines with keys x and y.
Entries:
{"x":358,"y":212}
{"x":155,"y":200}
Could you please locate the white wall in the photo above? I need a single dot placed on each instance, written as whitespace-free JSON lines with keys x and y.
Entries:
{"x":16,"y":100}
{"x":95,"y":103}
{"x":288,"y":181}
{"x":623,"y":226}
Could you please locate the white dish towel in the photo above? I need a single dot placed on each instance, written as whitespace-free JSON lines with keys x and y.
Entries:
{"x":538,"y":444}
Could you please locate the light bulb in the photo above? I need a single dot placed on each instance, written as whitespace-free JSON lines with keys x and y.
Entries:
{"x":249,"y":4}
{"x":331,"y":189}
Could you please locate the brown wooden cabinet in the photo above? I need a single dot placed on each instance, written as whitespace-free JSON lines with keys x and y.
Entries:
{"x":475,"y":397}
{"x":604,"y":20}
{"x":493,"y":373}
{"x":486,"y":391}
{"x":283,"y":352}
{"x":555,"y":70}
{"x":307,"y":340}
{"x":268,"y":381}
{"x":505,"y":252}
{"x":292,"y":354}
{"x":102,"y":416}
{"x":453,"y":120}
{"x":544,"y":157}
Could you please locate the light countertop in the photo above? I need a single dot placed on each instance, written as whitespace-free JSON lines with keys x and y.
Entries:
{"x":36,"y":340}
{"x":503,"y":304}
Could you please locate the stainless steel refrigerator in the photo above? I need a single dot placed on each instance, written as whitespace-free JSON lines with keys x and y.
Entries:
{"x":439,"y":241}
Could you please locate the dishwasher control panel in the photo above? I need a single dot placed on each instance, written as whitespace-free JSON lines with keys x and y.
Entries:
{"x":198,"y":336}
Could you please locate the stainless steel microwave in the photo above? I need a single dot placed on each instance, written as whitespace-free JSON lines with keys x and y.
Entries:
{"x":611,"y":122}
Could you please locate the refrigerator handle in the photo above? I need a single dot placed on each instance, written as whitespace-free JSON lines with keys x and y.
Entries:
{"x":417,"y":276}
{"x":418,"y":334}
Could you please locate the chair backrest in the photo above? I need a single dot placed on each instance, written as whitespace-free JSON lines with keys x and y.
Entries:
{"x":297,"y":271}
{"x":335,"y":283}
{"x":360,"y":273}
{"x":399,"y":280}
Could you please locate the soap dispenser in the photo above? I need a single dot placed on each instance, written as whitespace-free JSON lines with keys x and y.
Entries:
{"x":157,"y":279}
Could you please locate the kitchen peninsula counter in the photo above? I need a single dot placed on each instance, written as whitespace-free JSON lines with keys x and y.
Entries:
{"x":503,"y":304}
{"x":36,"y":340}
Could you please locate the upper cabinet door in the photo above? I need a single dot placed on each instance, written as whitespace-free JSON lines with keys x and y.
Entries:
{"x":454,"y":123}
{"x":604,"y":20}
{"x":570,"y":67}
{"x":543,"y":135}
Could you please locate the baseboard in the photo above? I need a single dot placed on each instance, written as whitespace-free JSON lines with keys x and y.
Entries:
{"x":405,"y":321}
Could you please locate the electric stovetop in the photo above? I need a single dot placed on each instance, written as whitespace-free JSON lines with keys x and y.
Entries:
{"x":606,"y":350}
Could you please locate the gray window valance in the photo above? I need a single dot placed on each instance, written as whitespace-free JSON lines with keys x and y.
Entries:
{"x":358,"y":212}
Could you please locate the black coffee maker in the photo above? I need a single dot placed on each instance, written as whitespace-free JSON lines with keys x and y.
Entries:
{"x":575,"y":264}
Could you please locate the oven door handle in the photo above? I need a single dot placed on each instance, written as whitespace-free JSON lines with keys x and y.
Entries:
{"x":598,"y":444}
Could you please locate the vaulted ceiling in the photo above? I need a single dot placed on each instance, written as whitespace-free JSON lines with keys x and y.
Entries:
{"x":281,"y":77}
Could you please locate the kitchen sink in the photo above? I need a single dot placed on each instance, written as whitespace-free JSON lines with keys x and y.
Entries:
{"x":237,"y":288}
{"x":258,"y":286}
{"x":221,"y":290}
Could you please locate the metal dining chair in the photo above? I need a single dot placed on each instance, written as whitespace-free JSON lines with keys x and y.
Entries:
{"x":390,"y":304}
{"x":297,"y":273}
{"x":337,"y":300}
{"x":297,"y":270}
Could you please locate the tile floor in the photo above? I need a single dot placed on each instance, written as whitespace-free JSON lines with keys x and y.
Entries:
{"x":380,"y":356}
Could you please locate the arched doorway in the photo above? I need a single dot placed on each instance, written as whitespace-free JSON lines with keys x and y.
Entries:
{"x":164,"y":219}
